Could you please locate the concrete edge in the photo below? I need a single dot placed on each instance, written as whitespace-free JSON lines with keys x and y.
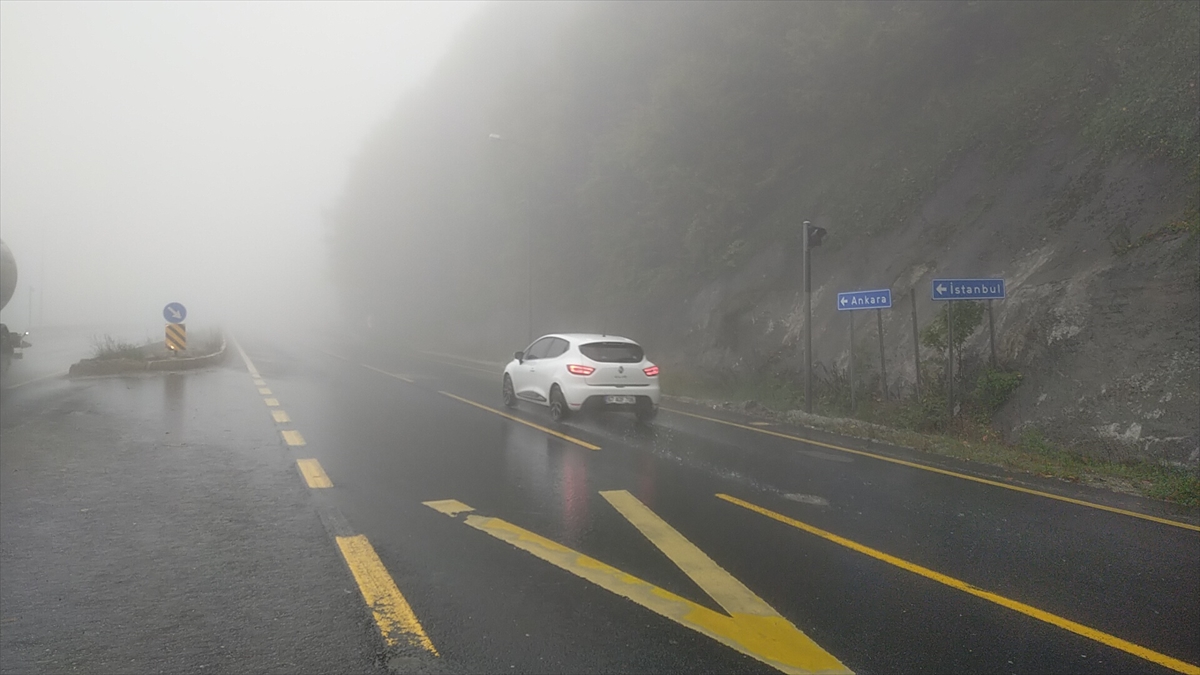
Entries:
{"x":92,"y":367}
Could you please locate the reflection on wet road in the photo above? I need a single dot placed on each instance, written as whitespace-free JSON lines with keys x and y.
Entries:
{"x":694,"y":544}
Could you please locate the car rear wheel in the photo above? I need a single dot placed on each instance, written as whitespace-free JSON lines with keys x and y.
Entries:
{"x":510,"y":396}
{"x":558,"y":405}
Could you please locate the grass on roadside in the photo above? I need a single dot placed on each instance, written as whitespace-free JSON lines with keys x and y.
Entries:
{"x":967,"y":438}
{"x":107,"y":348}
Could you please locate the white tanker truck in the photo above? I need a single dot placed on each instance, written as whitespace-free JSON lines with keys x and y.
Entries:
{"x":11,"y":344}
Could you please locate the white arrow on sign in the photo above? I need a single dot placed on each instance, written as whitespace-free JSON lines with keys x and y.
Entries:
{"x":175,"y":313}
{"x":844,"y":301}
{"x":941,"y":288}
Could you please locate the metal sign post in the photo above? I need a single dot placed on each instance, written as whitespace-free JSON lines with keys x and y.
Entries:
{"x":882,"y":364}
{"x":992,"y":333}
{"x":853,"y":402}
{"x":950,"y":360}
{"x":812,"y":237}
{"x":878,"y":300}
{"x":964,"y":289}
{"x":808,"y":407}
{"x":916,"y":345}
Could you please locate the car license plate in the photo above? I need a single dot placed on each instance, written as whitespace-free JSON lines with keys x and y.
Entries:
{"x":620,"y":399}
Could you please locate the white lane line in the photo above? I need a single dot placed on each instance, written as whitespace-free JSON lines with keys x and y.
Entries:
{"x":249,"y":364}
{"x":36,"y":379}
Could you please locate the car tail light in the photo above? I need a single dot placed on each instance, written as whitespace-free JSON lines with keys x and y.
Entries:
{"x":652,"y":371}
{"x":580,"y":370}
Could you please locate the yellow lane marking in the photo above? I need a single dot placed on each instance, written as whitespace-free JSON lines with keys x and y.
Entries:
{"x":945,"y":472}
{"x":552,"y":432}
{"x":36,"y":379}
{"x":393,"y":615}
{"x":450,"y":507}
{"x":292,"y":437}
{"x":384,"y":372}
{"x":1041,"y":615}
{"x":760,"y":424}
{"x":313,"y":474}
{"x":249,"y":364}
{"x":714,"y":580}
{"x":264,"y":391}
{"x":259,"y":383}
{"x":271,"y":401}
{"x":280,"y":416}
{"x":770,"y":639}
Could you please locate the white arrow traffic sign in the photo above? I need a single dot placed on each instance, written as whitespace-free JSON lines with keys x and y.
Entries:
{"x":174,"y":313}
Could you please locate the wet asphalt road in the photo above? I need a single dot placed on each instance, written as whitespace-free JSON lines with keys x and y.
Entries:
{"x":160,"y":524}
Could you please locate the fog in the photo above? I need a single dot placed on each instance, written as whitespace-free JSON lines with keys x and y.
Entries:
{"x":159,"y":152}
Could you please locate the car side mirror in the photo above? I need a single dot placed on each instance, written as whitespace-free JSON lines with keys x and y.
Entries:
{"x":520,"y":357}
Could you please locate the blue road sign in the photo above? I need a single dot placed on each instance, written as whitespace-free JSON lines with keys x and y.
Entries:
{"x":174,"y":313}
{"x":968,"y":289}
{"x":878,"y":299}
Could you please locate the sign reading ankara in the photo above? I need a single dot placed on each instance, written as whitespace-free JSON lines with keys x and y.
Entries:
{"x":878,"y":299}
{"x":968,"y":289}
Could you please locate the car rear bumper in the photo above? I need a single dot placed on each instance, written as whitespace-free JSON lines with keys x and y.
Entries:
{"x":578,"y":395}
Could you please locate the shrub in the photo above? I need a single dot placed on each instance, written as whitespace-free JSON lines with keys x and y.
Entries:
{"x":108,"y":347}
{"x":994,"y":387}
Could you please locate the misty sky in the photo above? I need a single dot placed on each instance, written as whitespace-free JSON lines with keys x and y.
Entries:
{"x":154,"y":151}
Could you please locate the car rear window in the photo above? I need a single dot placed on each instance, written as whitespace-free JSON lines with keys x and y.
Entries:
{"x":612,"y":352}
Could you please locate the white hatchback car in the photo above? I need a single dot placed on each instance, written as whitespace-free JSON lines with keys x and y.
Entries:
{"x":572,"y":371}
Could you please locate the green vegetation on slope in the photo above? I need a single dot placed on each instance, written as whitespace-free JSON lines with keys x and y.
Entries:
{"x":651,"y":146}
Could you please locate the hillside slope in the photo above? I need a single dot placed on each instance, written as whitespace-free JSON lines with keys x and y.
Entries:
{"x":656,"y":159}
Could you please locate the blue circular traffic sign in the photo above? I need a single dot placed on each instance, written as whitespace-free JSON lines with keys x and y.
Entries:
{"x":174,"y":313}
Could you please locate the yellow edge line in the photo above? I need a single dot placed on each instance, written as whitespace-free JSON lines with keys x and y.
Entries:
{"x":384,"y":372}
{"x":945,"y":472}
{"x":1041,"y":615}
{"x":292,"y":437}
{"x":313,"y":473}
{"x":393,"y":614}
{"x":565,"y":437}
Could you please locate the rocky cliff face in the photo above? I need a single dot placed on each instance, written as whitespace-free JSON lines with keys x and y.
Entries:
{"x":1102,"y":265}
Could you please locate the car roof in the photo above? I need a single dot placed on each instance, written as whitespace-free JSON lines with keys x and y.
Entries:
{"x":590,"y":337}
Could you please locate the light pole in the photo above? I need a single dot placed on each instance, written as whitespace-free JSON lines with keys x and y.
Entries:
{"x":812,"y":239}
{"x":528,"y":243}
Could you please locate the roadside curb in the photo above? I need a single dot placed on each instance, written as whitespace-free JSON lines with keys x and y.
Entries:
{"x":92,"y":367}
{"x":804,"y":427}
